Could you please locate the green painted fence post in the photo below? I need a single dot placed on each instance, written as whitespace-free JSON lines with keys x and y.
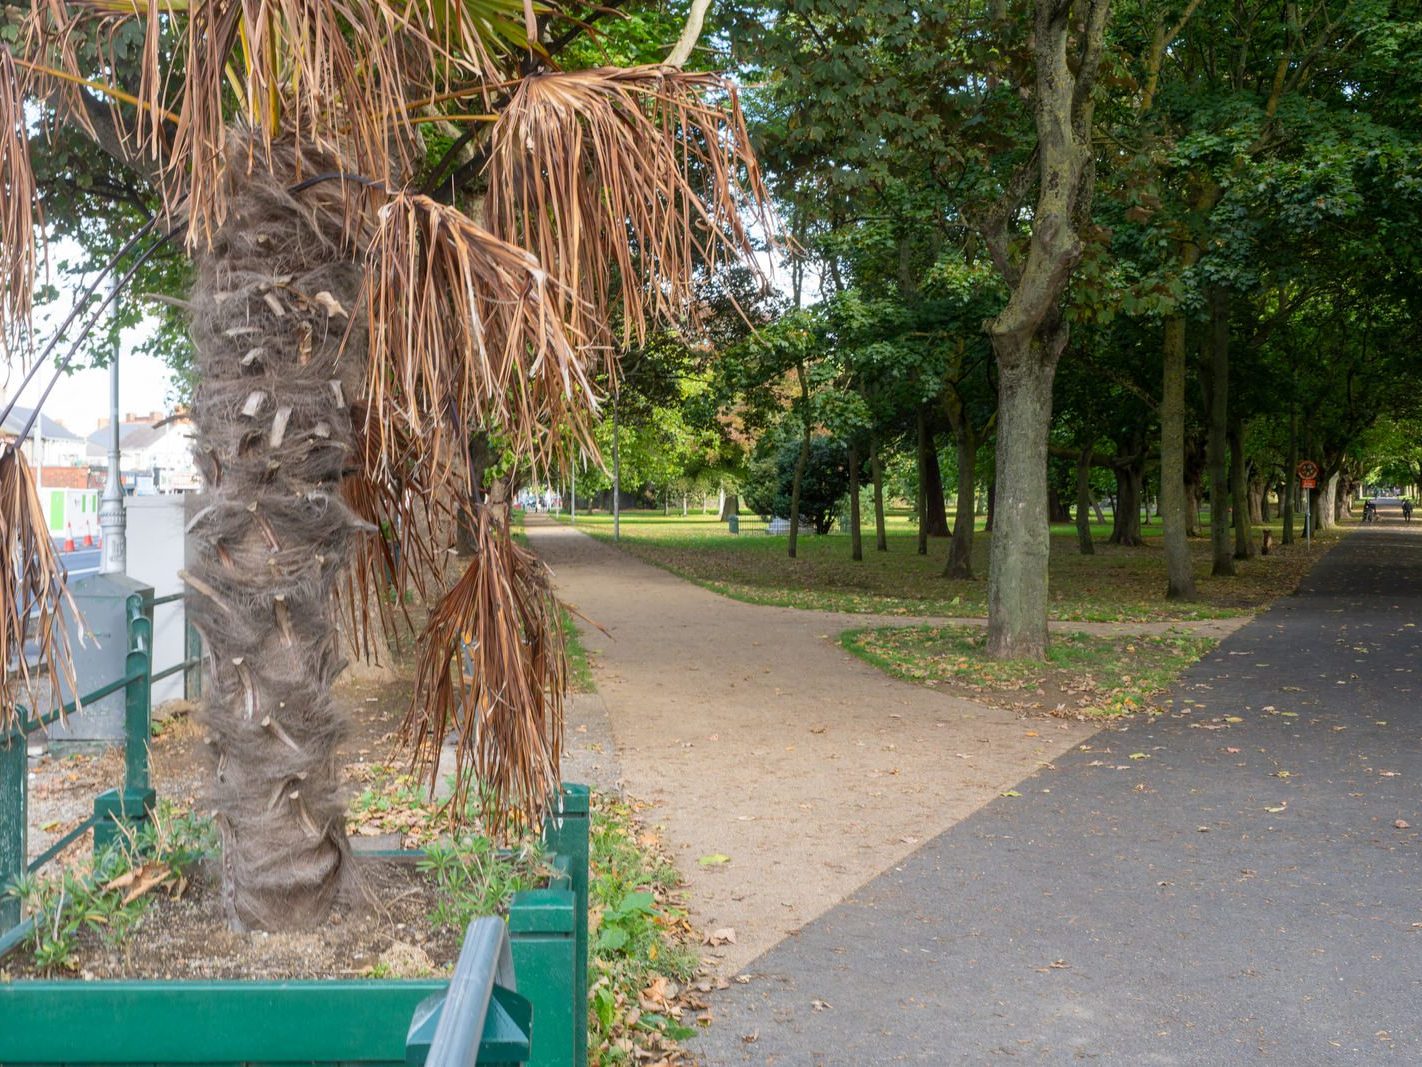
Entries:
{"x":14,"y":784}
{"x":571,"y":834}
{"x":134,"y":802}
{"x":543,"y":938}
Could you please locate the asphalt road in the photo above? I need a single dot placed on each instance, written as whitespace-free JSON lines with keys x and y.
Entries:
{"x":1238,"y":882}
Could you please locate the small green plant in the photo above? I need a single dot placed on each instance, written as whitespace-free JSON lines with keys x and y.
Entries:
{"x":474,"y":878}
{"x":636,"y":946}
{"x":109,"y":895}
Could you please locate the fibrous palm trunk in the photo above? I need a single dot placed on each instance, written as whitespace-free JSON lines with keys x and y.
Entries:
{"x":280,"y":348}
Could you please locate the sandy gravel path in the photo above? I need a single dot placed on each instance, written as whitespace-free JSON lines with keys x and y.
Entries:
{"x":756,"y":737}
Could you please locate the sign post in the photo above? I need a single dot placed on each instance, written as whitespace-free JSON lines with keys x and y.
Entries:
{"x":1308,"y":478}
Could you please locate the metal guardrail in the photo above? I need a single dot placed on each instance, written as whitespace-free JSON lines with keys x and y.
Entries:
{"x":480,"y":1017}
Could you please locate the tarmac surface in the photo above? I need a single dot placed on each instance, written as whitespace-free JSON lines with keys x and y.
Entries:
{"x":1235,"y":882}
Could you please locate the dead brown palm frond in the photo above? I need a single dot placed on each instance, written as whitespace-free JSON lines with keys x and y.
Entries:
{"x":625,"y":183}
{"x":17,"y":212}
{"x":34,"y":597}
{"x":492,"y":675}
{"x":465,"y":333}
{"x":336,"y":75}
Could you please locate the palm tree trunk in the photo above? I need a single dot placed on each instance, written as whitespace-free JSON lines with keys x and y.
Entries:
{"x":274,"y":297}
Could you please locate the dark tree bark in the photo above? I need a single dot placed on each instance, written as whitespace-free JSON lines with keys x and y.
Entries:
{"x":922,"y":484}
{"x":1126,"y":527}
{"x":933,"y":481}
{"x":801,"y":461}
{"x":876,"y":471}
{"x":991,"y":507}
{"x":1084,"y":541}
{"x":1239,"y":492}
{"x":1174,"y":500}
{"x":1264,"y":515}
{"x":1057,"y":512}
{"x":856,"y":539}
{"x":960,"y":549}
{"x":274,"y":434}
{"x":479,"y":457}
{"x":1217,"y":447}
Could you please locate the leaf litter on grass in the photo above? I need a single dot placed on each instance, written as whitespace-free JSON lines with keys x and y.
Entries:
{"x":1085,"y":676}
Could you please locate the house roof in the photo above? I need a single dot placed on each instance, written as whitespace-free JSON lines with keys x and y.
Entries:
{"x":54,"y":431}
{"x":131,"y":435}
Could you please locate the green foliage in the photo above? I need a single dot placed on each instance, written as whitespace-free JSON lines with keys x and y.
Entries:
{"x":769,"y":485}
{"x":1104,"y":676}
{"x":109,"y":896}
{"x":473,"y":877}
{"x":633,"y":945}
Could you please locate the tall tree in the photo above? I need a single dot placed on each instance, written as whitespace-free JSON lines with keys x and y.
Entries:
{"x":1031,"y":332}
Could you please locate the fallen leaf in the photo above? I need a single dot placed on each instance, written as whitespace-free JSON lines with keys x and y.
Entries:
{"x":819,"y":1005}
{"x":1402,"y":824}
{"x":724,"y":936}
{"x":714,"y":860}
{"x":1275,"y":811}
{"x":1010,"y":793}
{"x":1139,"y":755}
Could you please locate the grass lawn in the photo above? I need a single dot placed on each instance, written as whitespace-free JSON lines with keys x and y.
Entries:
{"x":1114,"y":585}
{"x":1084,"y":677}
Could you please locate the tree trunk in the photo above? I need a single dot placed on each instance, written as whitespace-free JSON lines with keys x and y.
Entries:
{"x":1126,"y":529}
{"x":1174,"y":504}
{"x":991,"y":503}
{"x":730,"y":505}
{"x":1057,"y":513}
{"x":1096,"y":510}
{"x":922,"y":484}
{"x":1264,"y":515}
{"x":1239,"y":493}
{"x":1083,"y":503}
{"x":802,"y":461}
{"x":1217,"y":447}
{"x":856,"y":539}
{"x":876,"y":471}
{"x":933,"y":481}
{"x":960,"y":550}
{"x":273,"y":437}
{"x":1017,"y":576}
{"x":479,"y":457}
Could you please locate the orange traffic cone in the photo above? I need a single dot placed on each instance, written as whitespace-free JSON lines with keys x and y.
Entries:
{"x":88,"y":534}
{"x":68,"y":537}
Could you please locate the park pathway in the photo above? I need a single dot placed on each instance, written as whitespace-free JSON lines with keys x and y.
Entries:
{"x":786,"y":772}
{"x":1238,"y":882}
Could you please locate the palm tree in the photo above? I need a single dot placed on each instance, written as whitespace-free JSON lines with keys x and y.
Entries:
{"x":353,"y":333}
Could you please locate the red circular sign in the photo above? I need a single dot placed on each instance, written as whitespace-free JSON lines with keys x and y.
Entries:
{"x":1308,"y":469}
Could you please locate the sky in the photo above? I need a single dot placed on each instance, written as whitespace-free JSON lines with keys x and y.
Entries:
{"x":81,"y":398}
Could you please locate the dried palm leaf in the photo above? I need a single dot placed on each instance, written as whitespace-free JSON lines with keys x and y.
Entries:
{"x":18,"y":205}
{"x":624,"y":183}
{"x":337,"y":75}
{"x":492,"y":674}
{"x":32,"y":596}
{"x":465,"y":333}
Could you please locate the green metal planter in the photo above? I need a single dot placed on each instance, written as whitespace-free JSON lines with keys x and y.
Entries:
{"x":537,"y":1014}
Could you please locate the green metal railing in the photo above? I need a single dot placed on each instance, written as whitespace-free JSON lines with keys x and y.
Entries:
{"x":116,"y":808}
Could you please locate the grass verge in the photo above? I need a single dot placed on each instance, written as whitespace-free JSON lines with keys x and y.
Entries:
{"x":1085,"y":676}
{"x":643,"y":986}
{"x":1116,"y":584}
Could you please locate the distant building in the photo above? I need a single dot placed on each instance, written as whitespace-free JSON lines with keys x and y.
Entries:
{"x":156,"y":449}
{"x":49,"y":444}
